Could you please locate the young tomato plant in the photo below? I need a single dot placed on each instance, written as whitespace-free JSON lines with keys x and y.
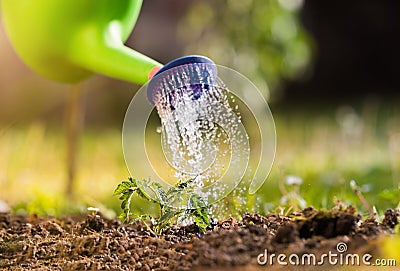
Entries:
{"x":195,"y":209}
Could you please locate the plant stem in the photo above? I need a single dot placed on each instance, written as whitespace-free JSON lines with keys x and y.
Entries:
{"x":148,"y":227}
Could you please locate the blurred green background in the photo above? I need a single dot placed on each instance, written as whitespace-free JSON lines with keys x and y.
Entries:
{"x":328,"y":70}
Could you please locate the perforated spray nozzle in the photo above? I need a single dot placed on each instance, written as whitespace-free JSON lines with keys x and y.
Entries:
{"x":189,"y":75}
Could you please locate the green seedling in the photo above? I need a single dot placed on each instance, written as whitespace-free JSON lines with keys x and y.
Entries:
{"x":196,"y":210}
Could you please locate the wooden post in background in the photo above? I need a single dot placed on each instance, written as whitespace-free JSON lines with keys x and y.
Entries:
{"x":74,"y":120}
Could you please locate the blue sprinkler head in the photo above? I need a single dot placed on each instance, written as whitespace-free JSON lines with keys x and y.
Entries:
{"x":192,"y":74}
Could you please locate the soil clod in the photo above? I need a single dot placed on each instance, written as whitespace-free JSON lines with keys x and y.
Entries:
{"x":391,"y":218}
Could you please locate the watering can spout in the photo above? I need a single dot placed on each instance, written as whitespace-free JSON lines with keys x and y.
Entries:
{"x":105,"y":53}
{"x":194,"y":73}
{"x":68,"y":40}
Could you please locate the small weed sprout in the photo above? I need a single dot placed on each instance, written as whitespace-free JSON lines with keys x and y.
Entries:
{"x":357,"y":190}
{"x":290,"y":190}
{"x":195,"y":209}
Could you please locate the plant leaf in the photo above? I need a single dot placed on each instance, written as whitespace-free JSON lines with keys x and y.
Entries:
{"x":160,"y":193}
{"x":126,"y":198}
{"x":122,"y":216}
{"x":199,"y":212}
{"x":124,"y":186}
{"x":141,"y":190}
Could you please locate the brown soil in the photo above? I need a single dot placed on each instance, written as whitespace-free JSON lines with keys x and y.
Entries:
{"x":92,"y":242}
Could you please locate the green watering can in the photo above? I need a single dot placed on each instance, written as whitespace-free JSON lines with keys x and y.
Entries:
{"x":69,"y":40}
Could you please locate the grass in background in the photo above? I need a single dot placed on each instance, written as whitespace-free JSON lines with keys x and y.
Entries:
{"x":329,"y":150}
{"x":323,"y":152}
{"x":32,"y":169}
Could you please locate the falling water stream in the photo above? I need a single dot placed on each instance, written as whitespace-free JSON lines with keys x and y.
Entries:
{"x":201,"y":132}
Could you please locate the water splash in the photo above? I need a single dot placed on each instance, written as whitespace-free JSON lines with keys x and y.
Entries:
{"x":202,"y":136}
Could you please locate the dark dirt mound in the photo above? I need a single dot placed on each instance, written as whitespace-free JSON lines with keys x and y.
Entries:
{"x":92,"y":242}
